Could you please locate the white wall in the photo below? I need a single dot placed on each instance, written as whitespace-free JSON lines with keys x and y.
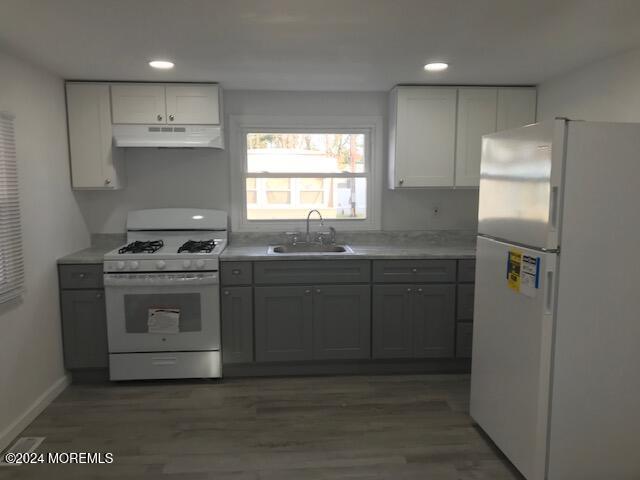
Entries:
{"x":52,"y":226}
{"x":607,"y":90}
{"x":200,"y":178}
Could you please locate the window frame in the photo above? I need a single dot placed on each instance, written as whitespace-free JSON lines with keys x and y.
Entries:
{"x":241,"y":125}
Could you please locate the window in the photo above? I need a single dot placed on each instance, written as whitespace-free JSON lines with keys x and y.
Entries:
{"x":11,"y":265}
{"x":288,"y":170}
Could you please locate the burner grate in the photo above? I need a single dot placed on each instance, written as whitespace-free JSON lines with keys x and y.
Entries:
{"x":142,"y":247}
{"x":195,"y":246}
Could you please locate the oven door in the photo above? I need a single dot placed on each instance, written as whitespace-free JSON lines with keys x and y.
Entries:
{"x":162,"y":312}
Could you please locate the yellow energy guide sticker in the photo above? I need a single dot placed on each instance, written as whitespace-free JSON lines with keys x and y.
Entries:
{"x":514,"y":267}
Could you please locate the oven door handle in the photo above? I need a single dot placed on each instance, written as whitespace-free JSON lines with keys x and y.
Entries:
{"x":142,"y":280}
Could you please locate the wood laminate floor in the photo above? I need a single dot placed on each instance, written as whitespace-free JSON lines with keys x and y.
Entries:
{"x":348,"y":427}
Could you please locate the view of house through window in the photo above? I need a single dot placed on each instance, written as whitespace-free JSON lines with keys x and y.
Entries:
{"x":288,"y":174}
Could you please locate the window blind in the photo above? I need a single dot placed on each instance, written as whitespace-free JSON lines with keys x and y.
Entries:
{"x":11,"y":261}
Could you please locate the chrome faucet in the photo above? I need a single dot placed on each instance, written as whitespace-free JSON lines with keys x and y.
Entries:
{"x":308,"y":237}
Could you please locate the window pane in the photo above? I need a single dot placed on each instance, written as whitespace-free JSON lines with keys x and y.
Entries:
{"x":278,"y":183}
{"x":311,"y":183}
{"x":252,"y":196}
{"x":311,"y":197}
{"x":306,"y":152}
{"x":343,"y":198}
{"x":278,"y":197}
{"x":251,"y":183}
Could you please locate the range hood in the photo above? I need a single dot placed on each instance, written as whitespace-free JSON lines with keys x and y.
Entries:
{"x":174,"y":136}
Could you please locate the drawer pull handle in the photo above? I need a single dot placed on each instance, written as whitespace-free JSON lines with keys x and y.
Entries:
{"x":419,"y":290}
{"x":414,"y":270}
{"x":82,"y":275}
{"x":236,"y":271}
{"x":226,"y":292}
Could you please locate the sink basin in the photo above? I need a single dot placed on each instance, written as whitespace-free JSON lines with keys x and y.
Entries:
{"x":309,"y":248}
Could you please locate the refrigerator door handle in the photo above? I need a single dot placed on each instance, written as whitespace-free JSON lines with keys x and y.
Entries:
{"x":548,"y":302}
{"x":553,"y":208}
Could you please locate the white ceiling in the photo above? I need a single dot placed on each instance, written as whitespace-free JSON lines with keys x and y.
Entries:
{"x":318,"y":44}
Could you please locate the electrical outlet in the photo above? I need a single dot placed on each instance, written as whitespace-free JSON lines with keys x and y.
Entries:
{"x":435,"y":210}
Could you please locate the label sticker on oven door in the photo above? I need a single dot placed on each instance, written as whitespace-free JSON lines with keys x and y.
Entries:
{"x":523,"y":273}
{"x":163,"y":320}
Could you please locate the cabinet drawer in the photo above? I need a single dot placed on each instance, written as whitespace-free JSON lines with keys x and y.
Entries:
{"x":237,"y":273}
{"x":464,"y":339}
{"x":414,"y":271}
{"x":312,"y":271}
{"x":467,"y":271}
{"x":465,"y":301}
{"x":80,"y":276}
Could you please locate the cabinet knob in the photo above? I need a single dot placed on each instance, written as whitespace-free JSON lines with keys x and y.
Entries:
{"x":159,"y":117}
{"x":414,"y":270}
{"x":171,"y":118}
{"x":419,"y":290}
{"x":318,"y":290}
{"x":409,"y":290}
{"x":98,"y":295}
{"x":401,"y":181}
{"x":107,"y":181}
{"x":82,"y":275}
{"x":236,"y":272}
{"x":226,"y":292}
{"x":307,"y":292}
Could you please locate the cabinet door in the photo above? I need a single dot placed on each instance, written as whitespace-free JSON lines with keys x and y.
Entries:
{"x":237,"y":324}
{"x":476,"y":117}
{"x":84,"y":329}
{"x":433,"y":308}
{"x":138,"y":103}
{"x":341,"y":321}
{"x":93,"y":157}
{"x":392,"y":321}
{"x":192,"y":104}
{"x":465,"y":301}
{"x":425,"y":136}
{"x":283,"y":323}
{"x":516,"y":107}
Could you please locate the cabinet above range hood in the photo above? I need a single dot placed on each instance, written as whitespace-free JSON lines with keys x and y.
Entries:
{"x":170,"y":136}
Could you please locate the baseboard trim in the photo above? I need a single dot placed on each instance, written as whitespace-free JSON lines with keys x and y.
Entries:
{"x":14,"y":429}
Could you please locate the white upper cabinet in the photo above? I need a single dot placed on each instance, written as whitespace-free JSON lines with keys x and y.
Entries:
{"x":186,"y":104}
{"x":477,"y":108}
{"x":192,"y":104}
{"x":516,"y":107}
{"x":95,"y":163}
{"x":422,"y":143}
{"x":139,"y":103}
{"x":436,"y":132}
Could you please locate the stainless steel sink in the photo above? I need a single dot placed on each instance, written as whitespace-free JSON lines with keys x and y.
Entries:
{"x":308,"y":248}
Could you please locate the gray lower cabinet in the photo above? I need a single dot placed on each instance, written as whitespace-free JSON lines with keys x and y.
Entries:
{"x":433,"y":308}
{"x":84,"y":329}
{"x":283,"y":323}
{"x":392,"y":321}
{"x":464,"y":340}
{"x":413,"y":321}
{"x":237,"y":324}
{"x":341,"y":321}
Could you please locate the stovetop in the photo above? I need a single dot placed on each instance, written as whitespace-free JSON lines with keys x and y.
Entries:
{"x":153,"y":246}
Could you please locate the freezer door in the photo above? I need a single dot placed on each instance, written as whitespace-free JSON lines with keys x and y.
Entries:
{"x":512,"y":334}
{"x":520,"y":184}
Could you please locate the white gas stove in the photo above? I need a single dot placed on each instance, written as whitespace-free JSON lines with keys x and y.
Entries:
{"x":162,"y":295}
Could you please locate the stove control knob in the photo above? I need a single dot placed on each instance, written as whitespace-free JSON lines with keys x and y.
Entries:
{"x":200,"y":263}
{"x":120,"y":265}
{"x":186,"y":263}
{"x":134,"y":265}
{"x":161,"y":264}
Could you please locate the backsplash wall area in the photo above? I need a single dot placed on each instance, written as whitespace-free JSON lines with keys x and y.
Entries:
{"x":200,"y":177}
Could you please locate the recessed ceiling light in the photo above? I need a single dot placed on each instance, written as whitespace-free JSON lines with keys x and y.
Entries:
{"x":161,"y":64}
{"x":436,"y":67}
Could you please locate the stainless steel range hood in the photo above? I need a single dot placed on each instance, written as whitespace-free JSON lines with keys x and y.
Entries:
{"x":174,"y":136}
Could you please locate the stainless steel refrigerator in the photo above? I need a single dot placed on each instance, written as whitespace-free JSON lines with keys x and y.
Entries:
{"x":555,"y":377}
